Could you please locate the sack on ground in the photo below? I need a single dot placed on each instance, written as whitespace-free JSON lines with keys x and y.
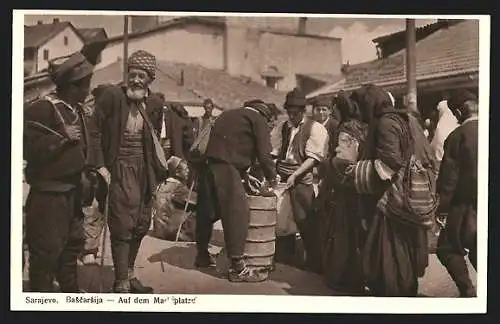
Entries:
{"x":168,"y":217}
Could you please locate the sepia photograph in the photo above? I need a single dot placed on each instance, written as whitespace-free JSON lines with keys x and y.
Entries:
{"x":169,"y":157}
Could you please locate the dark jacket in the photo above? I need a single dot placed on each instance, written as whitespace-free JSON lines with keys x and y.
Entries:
{"x":111,"y":113}
{"x":457,"y":180}
{"x":52,"y":158}
{"x":240,"y":137}
{"x":179,"y":131}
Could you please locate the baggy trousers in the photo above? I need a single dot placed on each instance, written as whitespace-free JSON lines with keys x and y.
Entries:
{"x":129,"y":212}
{"x":460,"y":233}
{"x":54,"y":232}
{"x":221,"y":195}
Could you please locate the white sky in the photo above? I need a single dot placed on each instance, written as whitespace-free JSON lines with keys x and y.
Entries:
{"x":357,"y":45}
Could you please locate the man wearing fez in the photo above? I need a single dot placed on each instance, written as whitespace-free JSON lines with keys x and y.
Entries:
{"x":457,"y":189}
{"x":238,"y":138}
{"x":299,"y":145}
{"x":56,"y":148}
{"x":129,"y":123}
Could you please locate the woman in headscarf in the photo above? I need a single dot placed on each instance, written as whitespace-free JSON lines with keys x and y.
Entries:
{"x":395,"y":252}
{"x":340,"y":224}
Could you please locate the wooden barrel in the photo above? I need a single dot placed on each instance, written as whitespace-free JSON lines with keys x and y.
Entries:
{"x":261,"y":236}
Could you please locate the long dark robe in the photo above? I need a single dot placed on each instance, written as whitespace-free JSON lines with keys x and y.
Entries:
{"x":112,"y":110}
{"x":134,"y":172}
{"x":395,"y":254}
{"x":340,"y":225}
{"x":341,"y":234}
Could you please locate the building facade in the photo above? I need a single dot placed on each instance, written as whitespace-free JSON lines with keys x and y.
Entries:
{"x":269,"y":51}
{"x":44,"y":42}
{"x":256,"y":53}
{"x":191,"y":42}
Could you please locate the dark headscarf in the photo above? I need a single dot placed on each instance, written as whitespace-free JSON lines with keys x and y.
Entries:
{"x":348,"y":108}
{"x":373,"y":102}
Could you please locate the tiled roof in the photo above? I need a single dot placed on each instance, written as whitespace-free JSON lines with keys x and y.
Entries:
{"x":199,"y":83}
{"x":92,"y":34}
{"x":328,"y":78}
{"x":225,"y":90}
{"x":445,"y":53}
{"x":37,"y":35}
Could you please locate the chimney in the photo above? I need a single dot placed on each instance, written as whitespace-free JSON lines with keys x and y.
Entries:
{"x":181,"y":81}
{"x":55,"y":21}
{"x":302,"y":25}
{"x":39,"y":22}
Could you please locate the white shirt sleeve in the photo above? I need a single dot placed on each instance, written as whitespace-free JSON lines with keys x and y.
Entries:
{"x":317,"y":144}
{"x":276,"y":140}
{"x":163,"y":133}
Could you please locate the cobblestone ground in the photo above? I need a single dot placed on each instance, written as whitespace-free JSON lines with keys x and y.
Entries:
{"x":168,"y":268}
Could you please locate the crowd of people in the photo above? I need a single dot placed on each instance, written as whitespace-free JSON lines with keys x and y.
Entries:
{"x":382,"y":184}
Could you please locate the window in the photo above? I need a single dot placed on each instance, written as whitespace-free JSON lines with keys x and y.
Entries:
{"x":272,"y":83}
{"x":46,"y":54}
{"x":66,"y":41}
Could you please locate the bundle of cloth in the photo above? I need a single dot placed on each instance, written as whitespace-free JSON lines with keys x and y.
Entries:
{"x":174,"y":218}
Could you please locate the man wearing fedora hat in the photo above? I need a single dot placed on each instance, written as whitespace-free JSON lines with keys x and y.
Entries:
{"x":56,"y":148}
{"x":299,"y":145}
{"x":457,"y":189}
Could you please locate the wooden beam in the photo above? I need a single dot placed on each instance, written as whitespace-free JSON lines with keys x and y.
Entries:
{"x":125,"y":47}
{"x":411,"y":64}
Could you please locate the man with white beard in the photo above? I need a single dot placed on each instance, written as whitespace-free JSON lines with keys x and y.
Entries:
{"x":128,"y":119}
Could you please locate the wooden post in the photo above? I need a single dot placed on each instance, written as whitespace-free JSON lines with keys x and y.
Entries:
{"x":411,"y":65}
{"x":125,"y":48}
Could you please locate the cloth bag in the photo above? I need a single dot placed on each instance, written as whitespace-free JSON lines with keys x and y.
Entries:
{"x":167,"y":217}
{"x":199,"y":146}
{"x":285,"y":223}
